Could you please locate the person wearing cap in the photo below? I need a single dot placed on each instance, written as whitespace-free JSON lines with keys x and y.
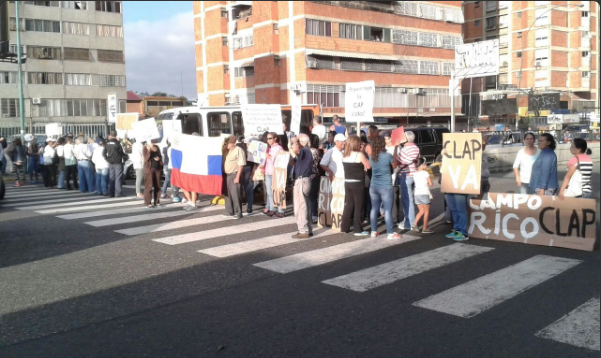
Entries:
{"x":50,"y":163}
{"x":332,"y":160}
{"x":233,"y":166}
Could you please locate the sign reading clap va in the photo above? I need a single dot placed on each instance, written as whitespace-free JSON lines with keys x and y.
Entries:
{"x":462,"y":163}
{"x":535,"y":220}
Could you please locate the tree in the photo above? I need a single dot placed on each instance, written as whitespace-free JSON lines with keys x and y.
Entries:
{"x":159,"y":94}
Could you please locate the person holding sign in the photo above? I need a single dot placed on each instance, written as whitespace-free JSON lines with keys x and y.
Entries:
{"x":355,"y":164}
{"x":544,"y":170}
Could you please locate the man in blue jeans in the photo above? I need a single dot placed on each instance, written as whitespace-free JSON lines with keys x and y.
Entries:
{"x":114,"y":155}
{"x":406,"y":161}
{"x":85,"y":169}
{"x":458,"y":205}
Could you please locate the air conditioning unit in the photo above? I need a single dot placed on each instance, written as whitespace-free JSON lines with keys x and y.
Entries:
{"x":418,"y":91}
{"x":36,"y":101}
{"x":312,"y":64}
{"x":401,"y":90}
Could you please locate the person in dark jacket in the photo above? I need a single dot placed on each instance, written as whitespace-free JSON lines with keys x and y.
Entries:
{"x":113,"y":153}
{"x":18,"y":157}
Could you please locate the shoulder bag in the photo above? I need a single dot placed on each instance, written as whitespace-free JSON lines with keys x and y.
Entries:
{"x":574,"y":188}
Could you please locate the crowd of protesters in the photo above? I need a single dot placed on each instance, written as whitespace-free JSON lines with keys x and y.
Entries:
{"x":372,"y":167}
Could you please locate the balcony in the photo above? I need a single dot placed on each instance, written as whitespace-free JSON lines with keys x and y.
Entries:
{"x":381,"y":6}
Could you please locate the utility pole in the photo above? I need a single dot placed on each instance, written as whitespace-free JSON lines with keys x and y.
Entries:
{"x":19,"y":55}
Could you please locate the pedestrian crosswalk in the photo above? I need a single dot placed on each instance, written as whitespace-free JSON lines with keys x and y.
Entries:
{"x":207,"y":232}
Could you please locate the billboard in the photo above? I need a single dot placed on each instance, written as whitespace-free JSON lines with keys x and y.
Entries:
{"x":499,"y":107}
{"x":478,"y":59}
{"x":543,"y":102}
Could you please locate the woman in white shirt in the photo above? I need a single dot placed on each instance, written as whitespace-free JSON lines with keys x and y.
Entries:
{"x":137,"y":159}
{"x":522,"y":167}
{"x":50,"y":166}
{"x":102,"y":170}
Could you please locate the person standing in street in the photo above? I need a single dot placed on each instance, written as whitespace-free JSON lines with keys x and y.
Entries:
{"x":544,"y":170}
{"x":34,"y":159}
{"x":18,"y":157}
{"x":274,"y":142}
{"x":3,"y":144}
{"x":331,"y":162}
{"x":423,"y":183}
{"x":153,"y":166}
{"x":355,"y":165}
{"x":62,"y":170}
{"x":319,"y":130}
{"x":583,"y":163}
{"x":406,"y":161}
{"x":50,"y":163}
{"x":522,"y":166}
{"x":70,"y":164}
{"x":84,"y":166}
{"x":102,"y":169}
{"x":235,"y":161}
{"x":302,"y":186}
{"x":137,"y":158}
{"x":113,"y":153}
{"x":338,"y":128}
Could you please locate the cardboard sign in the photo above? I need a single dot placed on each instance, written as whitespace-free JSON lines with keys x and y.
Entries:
{"x":535,"y":220}
{"x":125,"y":120}
{"x":146,"y":130}
{"x":170,"y":127}
{"x":280,"y":176}
{"x":256,"y":152}
{"x":330,"y":203}
{"x":462,"y":163}
{"x":54,"y":130}
{"x":359,"y":101}
{"x":398,"y":136}
{"x":295,"y":120}
{"x":260,"y":118}
{"x":112,"y":107}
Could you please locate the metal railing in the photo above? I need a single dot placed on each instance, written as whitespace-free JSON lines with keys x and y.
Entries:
{"x":90,"y":130}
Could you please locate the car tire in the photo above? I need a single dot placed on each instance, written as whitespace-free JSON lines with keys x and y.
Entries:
{"x":131,"y":173}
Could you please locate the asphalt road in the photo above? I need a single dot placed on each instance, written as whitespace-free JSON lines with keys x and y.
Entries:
{"x":72,"y":286}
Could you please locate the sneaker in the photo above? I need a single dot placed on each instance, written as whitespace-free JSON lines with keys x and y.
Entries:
{"x":301,"y":236}
{"x":415,"y":228}
{"x":394,"y":236}
{"x":460,"y":237}
{"x":177,"y":199}
{"x":184,"y":200}
{"x":163,"y":196}
{"x":364,"y":233}
{"x":449,"y":222}
{"x":190,"y":207}
{"x":427,"y":232}
{"x":402,"y":227}
{"x":451,"y":235}
{"x":374,"y":234}
{"x":236,"y":217}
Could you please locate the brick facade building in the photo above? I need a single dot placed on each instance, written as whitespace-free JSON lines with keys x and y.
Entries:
{"x":305,"y":51}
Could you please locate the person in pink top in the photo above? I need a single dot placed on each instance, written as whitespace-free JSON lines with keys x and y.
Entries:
{"x":406,"y":162}
{"x":274,"y":148}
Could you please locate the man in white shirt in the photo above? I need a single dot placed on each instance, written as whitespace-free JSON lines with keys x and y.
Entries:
{"x":84,"y":166}
{"x":319,"y":130}
{"x":332,"y":160}
{"x":70,"y":163}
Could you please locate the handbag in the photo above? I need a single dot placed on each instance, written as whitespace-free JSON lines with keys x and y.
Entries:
{"x":574,"y":188}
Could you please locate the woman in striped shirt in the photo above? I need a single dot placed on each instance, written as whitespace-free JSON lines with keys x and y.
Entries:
{"x":582,"y":162}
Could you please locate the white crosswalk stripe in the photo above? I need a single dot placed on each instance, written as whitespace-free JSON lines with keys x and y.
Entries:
{"x":78,"y":203}
{"x":322,"y":256}
{"x":245,"y":247}
{"x":150,"y":216}
{"x":93,"y":214}
{"x":474,"y":297}
{"x":73,"y":208}
{"x":225,"y":231}
{"x":41,"y":194}
{"x":73,"y":199}
{"x":365,"y":280}
{"x":579,"y":328}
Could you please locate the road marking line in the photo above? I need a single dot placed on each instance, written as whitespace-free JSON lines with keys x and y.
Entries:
{"x":43,"y":194}
{"x":151,"y":216}
{"x":474,"y":297}
{"x":89,"y":207}
{"x":109,"y":200}
{"x":73,"y":199}
{"x":329,"y":254}
{"x":365,"y":280}
{"x":226,"y":231}
{"x":245,"y":247}
{"x":92,"y":214}
{"x":579,"y":328}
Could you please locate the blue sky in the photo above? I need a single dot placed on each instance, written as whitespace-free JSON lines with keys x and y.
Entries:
{"x":159,"y":46}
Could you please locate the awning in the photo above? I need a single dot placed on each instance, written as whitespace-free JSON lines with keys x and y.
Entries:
{"x":248,"y":64}
{"x":352,"y":55}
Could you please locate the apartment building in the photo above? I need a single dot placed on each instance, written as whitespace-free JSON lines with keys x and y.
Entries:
{"x":305,"y":51}
{"x":548,"y":60}
{"x":75,"y":59}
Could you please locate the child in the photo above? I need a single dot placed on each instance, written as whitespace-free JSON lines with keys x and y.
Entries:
{"x":423,"y":183}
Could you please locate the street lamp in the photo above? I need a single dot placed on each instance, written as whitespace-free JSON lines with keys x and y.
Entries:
{"x":522,"y":58}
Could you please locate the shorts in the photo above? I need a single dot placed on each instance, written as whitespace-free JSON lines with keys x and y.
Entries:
{"x":422,"y":200}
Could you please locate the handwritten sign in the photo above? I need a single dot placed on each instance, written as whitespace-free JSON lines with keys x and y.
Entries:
{"x":295,"y":121}
{"x":256,"y":152}
{"x":259,"y":118}
{"x":280,"y":176}
{"x":535,"y":220}
{"x":398,"y":136}
{"x":146,"y":130}
{"x":359,"y":101}
{"x":462,"y":163}
{"x":477,"y":59}
{"x":112,"y":107}
{"x":330,"y":202}
{"x":125,"y":120}
{"x":170,"y":127}
{"x":54,"y":129}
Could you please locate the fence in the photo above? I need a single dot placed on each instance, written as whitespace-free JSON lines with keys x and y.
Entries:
{"x":39,"y":129}
{"x":505,"y":138}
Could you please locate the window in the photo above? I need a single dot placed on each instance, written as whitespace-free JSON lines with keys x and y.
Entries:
{"x":276,"y":62}
{"x":406,"y":66}
{"x":519,"y":35}
{"x":376,"y":34}
{"x":328,"y":96}
{"x":477,"y":23}
{"x":243,"y":41}
{"x":541,"y":58}
{"x":403,"y":37}
{"x":542,"y":17}
{"x":447,"y":67}
{"x":13,"y":49}
{"x":491,"y":5}
{"x":585,"y":14}
{"x":44,"y":53}
{"x":449,"y":41}
{"x":491,"y":23}
{"x":224,"y":13}
{"x":75,"y":5}
{"x":351,"y":64}
{"x":70,"y":108}
{"x":219,"y":123}
{"x":77,"y":54}
{"x":78,"y":79}
{"x":321,"y":62}
{"x":350,"y":31}
{"x":244,"y":71}
{"x":9,"y":107}
{"x":109,"y":31}
{"x":111,"y":81}
{"x":428,"y":40}
{"x":9,"y":77}
{"x":76,"y":28}
{"x":541,"y":38}
{"x":44,"y":78}
{"x":518,"y":54}
{"x":318,"y":28}
{"x":108,"y":6}
{"x":586,"y":74}
{"x":503,"y":21}
{"x":226,"y":69}
{"x":42,"y":3}
{"x":428,"y":11}
{"x":519,"y":15}
{"x":378,"y":66}
{"x":476,"y":4}
{"x":224,"y":41}
{"x":585,"y":54}
{"x":110,"y":56}
{"x":429,"y":68}
{"x":38,"y":25}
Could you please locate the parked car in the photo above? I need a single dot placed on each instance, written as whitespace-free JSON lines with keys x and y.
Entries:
{"x":429,"y":141}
